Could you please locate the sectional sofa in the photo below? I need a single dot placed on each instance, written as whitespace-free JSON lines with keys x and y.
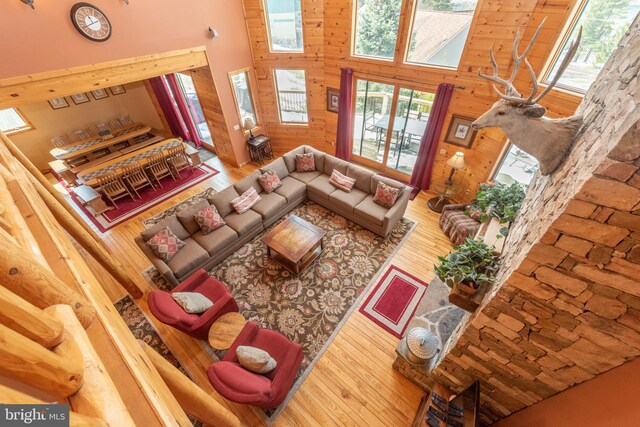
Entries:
{"x":205,"y":251}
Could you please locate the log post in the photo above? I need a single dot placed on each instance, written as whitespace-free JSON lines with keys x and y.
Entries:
{"x":95,"y":249}
{"x":33,"y":171}
{"x":28,"y":320}
{"x":28,"y":362}
{"x":13,"y":397}
{"x":98,"y":396}
{"x":189,"y":395}
{"x":39,"y":286}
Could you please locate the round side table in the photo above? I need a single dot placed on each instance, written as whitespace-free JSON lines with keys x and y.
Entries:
{"x":444,"y":191}
{"x":225,"y":330}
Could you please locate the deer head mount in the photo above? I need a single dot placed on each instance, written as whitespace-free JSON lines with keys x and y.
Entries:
{"x":521,"y":119}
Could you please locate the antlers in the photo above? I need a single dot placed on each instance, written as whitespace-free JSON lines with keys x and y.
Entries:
{"x":511,"y":94}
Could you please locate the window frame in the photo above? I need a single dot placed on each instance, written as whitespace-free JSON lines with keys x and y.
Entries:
{"x":29,"y":126}
{"x":268,"y":28}
{"x":401,"y":26}
{"x":251,"y":87}
{"x":277,"y":93}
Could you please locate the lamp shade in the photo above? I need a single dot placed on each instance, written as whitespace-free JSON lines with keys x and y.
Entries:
{"x":457,"y":161}
{"x":248,"y":123}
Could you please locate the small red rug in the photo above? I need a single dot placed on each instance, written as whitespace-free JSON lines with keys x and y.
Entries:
{"x":128,"y":208}
{"x":394,"y":300}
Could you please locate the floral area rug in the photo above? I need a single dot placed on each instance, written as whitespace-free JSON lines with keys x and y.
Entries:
{"x":143,"y":329}
{"x":310,"y":308}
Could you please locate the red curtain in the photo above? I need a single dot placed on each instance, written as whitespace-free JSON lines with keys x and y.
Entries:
{"x":184,"y":110}
{"x":345,"y":115}
{"x":421,"y":177}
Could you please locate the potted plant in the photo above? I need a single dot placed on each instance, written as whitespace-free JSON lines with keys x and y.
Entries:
{"x":465,"y":270}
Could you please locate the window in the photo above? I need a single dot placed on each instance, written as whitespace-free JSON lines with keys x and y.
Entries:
{"x":292,"y":96}
{"x":12,"y":122}
{"x":603,"y":24}
{"x":374,"y":126}
{"x":376,"y":28}
{"x":284,"y":18}
{"x":193,"y":104}
{"x":439,"y":31}
{"x":242,"y":94}
{"x":516,"y":166}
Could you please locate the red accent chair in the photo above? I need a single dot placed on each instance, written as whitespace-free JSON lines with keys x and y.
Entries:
{"x":166,"y":310}
{"x":264,"y":390}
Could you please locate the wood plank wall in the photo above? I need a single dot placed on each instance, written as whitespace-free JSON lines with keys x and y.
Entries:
{"x":327,"y":40}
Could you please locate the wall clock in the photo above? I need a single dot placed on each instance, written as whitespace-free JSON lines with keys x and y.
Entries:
{"x":91,"y":22}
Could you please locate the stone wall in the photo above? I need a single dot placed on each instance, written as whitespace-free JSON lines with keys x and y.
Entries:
{"x":566,"y":306}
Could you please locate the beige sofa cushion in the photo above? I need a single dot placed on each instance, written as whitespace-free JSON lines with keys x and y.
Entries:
{"x":390,"y":182}
{"x":370,"y":210}
{"x":279,"y":166}
{"x":291,"y":189}
{"x":305,"y":177}
{"x":317,"y":155}
{"x":174,"y":225}
{"x":187,"y":216}
{"x":321,"y":187}
{"x":216,"y":241}
{"x":290,"y":158}
{"x":362,"y":177}
{"x":244,"y":223}
{"x":331,"y":163}
{"x":248,"y":182}
{"x":222,"y":200}
{"x":347,"y":201}
{"x":188,"y":258}
{"x":270,"y":205}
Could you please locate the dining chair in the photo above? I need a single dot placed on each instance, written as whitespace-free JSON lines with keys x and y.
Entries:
{"x":158,"y":168}
{"x":178,"y":160}
{"x":136,"y":178}
{"x":125,"y":120}
{"x":82,"y":134}
{"x":112,"y":186}
{"x":60,"y":141}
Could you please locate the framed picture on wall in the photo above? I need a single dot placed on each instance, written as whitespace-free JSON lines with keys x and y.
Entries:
{"x":117,"y":90}
{"x":333,"y":98}
{"x":460,"y":132}
{"x":80,"y":98}
{"x":99,"y":94}
{"x":58,"y":103}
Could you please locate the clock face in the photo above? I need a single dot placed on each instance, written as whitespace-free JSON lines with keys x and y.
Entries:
{"x":91,"y":22}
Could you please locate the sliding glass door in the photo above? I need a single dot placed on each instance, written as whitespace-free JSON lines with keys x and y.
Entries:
{"x":195,"y":109}
{"x":388,"y":126}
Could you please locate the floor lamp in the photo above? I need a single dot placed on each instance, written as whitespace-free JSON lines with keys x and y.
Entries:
{"x":437,"y":203}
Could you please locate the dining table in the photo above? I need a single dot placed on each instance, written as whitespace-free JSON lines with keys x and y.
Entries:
{"x":93,"y":143}
{"x":140,"y":157}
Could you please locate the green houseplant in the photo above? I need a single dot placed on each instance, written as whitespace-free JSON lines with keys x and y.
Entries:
{"x":498,"y":201}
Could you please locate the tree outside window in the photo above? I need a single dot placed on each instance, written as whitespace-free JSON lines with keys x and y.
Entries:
{"x":377,"y":28}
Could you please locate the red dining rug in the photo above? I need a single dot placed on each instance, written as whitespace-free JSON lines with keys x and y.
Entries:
{"x":128,"y":208}
{"x":394,"y":300}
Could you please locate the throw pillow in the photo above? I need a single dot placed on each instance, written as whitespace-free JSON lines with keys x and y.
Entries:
{"x":255,"y":360}
{"x":305,"y":162}
{"x":165,"y":244}
{"x":209,"y":219}
{"x":386,"y":195}
{"x":246,"y":200}
{"x":341,"y":181}
{"x":192,"y":302}
{"x":269,"y":181}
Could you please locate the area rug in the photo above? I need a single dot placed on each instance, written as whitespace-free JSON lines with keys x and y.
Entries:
{"x":311,"y":308}
{"x":142,"y":328}
{"x":393,"y":302}
{"x":128,"y":208}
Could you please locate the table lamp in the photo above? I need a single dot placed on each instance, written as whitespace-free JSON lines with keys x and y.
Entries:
{"x":249,"y":124}
{"x":456,"y":162}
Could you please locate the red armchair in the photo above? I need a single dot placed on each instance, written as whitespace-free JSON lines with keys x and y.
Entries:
{"x":166,"y":310}
{"x":264,"y":390}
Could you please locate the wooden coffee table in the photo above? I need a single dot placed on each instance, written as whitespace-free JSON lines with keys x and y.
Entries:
{"x":225,"y":330}
{"x":295,"y":243}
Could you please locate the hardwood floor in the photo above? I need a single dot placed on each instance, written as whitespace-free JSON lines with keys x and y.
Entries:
{"x":353,"y":384}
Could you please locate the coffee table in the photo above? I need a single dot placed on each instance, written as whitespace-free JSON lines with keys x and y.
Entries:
{"x":295,"y":243}
{"x":225,"y":330}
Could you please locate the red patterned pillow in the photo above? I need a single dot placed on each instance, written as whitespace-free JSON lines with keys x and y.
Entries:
{"x":341,"y":181}
{"x":269,"y":181}
{"x":385,"y":195}
{"x":165,"y":244}
{"x":305,"y":162}
{"x":209,"y":219}
{"x":246,"y":201}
